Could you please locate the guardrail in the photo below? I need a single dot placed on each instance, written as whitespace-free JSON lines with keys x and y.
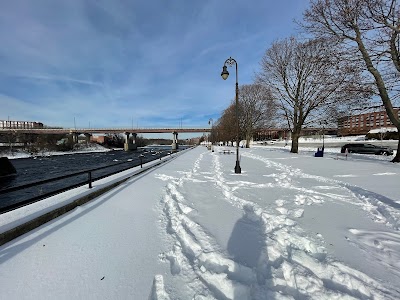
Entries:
{"x":102,"y":130}
{"x":90,"y":179}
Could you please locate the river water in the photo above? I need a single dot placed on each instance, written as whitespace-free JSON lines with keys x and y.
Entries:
{"x":41,"y":168}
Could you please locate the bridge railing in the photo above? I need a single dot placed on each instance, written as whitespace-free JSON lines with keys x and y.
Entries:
{"x":104,"y":130}
{"x":90,"y":179}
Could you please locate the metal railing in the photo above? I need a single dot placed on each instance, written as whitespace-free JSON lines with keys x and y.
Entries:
{"x":90,"y":179}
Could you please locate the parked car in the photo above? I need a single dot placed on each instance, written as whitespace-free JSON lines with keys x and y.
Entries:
{"x":366,"y":149}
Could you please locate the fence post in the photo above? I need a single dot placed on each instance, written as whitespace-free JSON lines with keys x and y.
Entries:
{"x":90,"y":179}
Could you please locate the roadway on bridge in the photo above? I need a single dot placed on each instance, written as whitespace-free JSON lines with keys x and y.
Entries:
{"x":103,"y":130}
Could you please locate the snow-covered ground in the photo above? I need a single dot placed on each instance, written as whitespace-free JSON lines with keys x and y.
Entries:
{"x":291,"y":226}
{"x":332,"y":145}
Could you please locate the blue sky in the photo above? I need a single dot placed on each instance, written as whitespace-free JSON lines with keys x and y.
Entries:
{"x":153,"y":63}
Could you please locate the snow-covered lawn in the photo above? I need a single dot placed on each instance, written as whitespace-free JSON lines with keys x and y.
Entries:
{"x":291,"y":226}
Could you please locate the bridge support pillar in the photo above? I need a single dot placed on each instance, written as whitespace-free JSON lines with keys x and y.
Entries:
{"x":87,"y":136}
{"x":130,"y":144}
{"x":134,"y":145}
{"x":75,"y":138}
{"x":175,"y":141}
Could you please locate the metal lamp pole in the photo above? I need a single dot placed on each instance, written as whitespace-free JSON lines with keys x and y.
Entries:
{"x":323,"y":123}
{"x":230,"y":61}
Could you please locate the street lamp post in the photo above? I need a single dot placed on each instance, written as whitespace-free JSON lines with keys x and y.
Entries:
{"x":230,"y":61}
{"x":323,"y":123}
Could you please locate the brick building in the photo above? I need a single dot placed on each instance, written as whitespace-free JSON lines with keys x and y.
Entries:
{"x":284,"y":133}
{"x":100,"y":139}
{"x":363,"y":123}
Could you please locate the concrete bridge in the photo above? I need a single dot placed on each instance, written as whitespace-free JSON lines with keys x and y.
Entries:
{"x":130,"y":144}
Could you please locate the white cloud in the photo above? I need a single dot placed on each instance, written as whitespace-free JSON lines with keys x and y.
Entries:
{"x":110,"y":61}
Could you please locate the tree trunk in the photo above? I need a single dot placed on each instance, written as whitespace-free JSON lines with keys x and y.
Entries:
{"x":248,"y":138}
{"x":295,"y":142}
{"x":397,"y":157}
{"x":380,"y":84}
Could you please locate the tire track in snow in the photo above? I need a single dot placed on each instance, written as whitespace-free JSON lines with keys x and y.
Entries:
{"x":297,"y":265}
{"x":202,"y":252}
{"x":381,"y":209}
{"x":385,"y":246}
{"x":291,"y":265}
{"x":285,"y":179}
{"x":195,"y":252}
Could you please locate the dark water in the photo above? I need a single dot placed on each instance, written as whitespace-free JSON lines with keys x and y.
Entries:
{"x":32,"y":170}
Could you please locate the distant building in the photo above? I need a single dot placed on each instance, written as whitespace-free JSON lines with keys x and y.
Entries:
{"x":20,"y":124}
{"x":263,"y":134}
{"x":362,"y":123}
{"x":284,"y":133}
{"x":100,"y":139}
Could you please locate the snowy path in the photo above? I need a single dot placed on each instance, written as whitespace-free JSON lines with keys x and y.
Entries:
{"x":288,"y":227}
{"x":268,"y":254}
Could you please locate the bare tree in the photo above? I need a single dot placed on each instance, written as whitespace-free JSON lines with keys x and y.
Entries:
{"x":256,"y":109}
{"x":369,"y":31}
{"x":225,"y":127}
{"x":307,"y":79}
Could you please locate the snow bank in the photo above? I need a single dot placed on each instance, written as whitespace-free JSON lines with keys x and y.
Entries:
{"x":17,"y":153}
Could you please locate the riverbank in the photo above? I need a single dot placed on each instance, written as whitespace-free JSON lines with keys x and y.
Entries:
{"x":83,"y":148}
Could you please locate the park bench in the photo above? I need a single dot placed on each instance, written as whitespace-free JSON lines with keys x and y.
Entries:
{"x":320,"y":152}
